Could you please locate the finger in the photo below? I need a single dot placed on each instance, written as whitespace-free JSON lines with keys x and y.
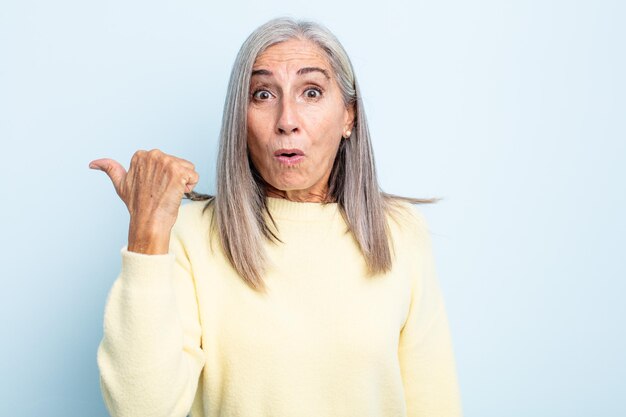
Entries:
{"x":186,"y":164}
{"x":112,"y":168}
{"x":191,"y":181}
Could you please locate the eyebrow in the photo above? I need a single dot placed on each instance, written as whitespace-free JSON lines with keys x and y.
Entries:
{"x":301,"y":71}
{"x":307,"y":70}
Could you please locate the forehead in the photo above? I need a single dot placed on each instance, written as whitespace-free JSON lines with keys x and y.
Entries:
{"x":292,"y":55}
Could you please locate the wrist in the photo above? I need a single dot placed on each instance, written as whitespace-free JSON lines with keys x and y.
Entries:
{"x":147,"y":238}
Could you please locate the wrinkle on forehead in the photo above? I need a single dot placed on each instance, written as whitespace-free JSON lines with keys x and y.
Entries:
{"x":292,"y":55}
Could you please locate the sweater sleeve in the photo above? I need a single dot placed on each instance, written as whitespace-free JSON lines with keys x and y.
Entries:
{"x":150,"y":356}
{"x":425,"y":348}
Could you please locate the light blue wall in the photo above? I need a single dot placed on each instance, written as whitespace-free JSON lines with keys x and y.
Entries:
{"x":514,"y":112}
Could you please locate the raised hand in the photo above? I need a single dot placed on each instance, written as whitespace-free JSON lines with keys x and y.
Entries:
{"x":152,"y":190}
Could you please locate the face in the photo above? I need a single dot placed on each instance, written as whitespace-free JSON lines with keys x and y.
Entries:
{"x":296,"y":119}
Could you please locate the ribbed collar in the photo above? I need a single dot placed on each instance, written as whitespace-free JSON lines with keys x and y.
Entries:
{"x":281,"y":208}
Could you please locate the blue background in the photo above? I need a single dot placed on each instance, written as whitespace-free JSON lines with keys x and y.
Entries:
{"x":513,"y":111}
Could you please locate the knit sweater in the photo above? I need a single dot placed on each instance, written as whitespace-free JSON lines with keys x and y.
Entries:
{"x":183,"y":333}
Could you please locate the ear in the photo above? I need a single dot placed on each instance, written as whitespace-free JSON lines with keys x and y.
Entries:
{"x":349,"y":118}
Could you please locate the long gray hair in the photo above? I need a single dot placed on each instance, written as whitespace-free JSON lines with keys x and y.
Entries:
{"x":240,"y":201}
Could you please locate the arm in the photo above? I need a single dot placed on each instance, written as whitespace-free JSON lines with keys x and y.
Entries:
{"x":150,"y":356}
{"x":425,"y":348}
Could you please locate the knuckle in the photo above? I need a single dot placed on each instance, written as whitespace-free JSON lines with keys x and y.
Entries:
{"x":137,"y":156}
{"x":187,"y":163}
{"x":153,"y":155}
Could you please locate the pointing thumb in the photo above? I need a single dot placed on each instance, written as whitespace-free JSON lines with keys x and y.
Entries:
{"x":112,"y":168}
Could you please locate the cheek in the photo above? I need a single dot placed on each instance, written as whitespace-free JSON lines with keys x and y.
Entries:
{"x":326,"y":134}
{"x":253,"y":125}
{"x":325,"y":154}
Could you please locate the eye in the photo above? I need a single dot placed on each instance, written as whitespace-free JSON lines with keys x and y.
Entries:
{"x":261,"y":95}
{"x":312,"y":92}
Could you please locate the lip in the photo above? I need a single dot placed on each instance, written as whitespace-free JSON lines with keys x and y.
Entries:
{"x":295,"y":156}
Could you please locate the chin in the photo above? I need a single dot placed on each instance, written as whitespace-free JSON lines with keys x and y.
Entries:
{"x":289,"y":183}
{"x":290,"y":186}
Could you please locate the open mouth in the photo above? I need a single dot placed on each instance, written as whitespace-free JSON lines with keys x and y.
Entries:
{"x":289,"y":156}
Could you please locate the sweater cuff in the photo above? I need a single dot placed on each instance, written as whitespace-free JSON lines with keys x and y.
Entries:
{"x":141,"y":267}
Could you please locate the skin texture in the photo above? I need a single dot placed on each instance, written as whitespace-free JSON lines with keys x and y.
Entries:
{"x":152,"y":190}
{"x":294,"y":109}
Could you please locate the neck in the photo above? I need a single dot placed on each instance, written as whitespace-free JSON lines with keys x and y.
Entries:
{"x":302,"y":196}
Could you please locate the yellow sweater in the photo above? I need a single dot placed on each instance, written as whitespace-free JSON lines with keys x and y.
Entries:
{"x":184,"y":334}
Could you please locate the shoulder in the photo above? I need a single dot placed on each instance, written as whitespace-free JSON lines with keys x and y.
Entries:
{"x":406,"y":217}
{"x":411,"y":240}
{"x":407,"y":227}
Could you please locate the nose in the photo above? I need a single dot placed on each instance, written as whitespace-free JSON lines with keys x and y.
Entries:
{"x":287,"y":122}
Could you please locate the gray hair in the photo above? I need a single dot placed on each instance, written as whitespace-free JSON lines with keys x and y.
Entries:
{"x":240,"y":201}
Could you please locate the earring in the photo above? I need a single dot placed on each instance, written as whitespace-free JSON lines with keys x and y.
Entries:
{"x":347,"y":134}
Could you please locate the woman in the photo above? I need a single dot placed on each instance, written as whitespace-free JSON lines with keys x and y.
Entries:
{"x":300,"y":289}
